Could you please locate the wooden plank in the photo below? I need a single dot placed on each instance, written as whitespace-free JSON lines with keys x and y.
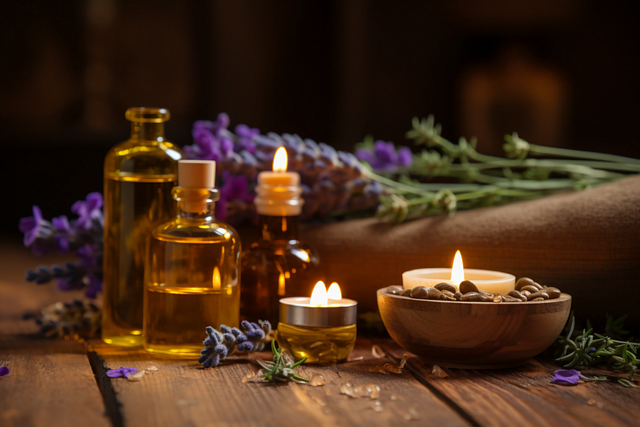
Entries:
{"x":50,"y":382}
{"x":182,"y":393}
{"x":525,"y":396}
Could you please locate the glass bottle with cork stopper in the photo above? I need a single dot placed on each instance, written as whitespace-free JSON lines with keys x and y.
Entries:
{"x":138,"y":177}
{"x":192,"y":270}
{"x":278,"y":264}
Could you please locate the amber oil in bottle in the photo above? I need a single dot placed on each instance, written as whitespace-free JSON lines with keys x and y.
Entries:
{"x":192,"y":270}
{"x":138,"y":177}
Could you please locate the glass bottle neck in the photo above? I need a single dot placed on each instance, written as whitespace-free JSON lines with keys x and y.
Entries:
{"x":195,"y":203}
{"x":279,"y":227}
{"x":147,"y":131}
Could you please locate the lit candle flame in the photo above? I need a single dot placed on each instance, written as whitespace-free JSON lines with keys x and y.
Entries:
{"x":334,"y":291}
{"x":319,"y":295}
{"x":215,"y":280}
{"x":457,"y":272}
{"x":280,"y":160}
{"x":281,"y":284}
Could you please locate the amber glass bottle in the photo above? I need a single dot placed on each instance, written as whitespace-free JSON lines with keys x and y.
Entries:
{"x":192,"y":269}
{"x":277,"y":265}
{"x":138,"y":177}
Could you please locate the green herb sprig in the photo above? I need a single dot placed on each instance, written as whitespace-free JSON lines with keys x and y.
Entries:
{"x":586,"y":349}
{"x":282,"y":367}
{"x":483,"y":180}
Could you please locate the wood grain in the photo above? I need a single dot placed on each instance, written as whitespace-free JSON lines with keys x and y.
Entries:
{"x":50,"y":382}
{"x":182,"y":393}
{"x":473,"y":334}
{"x":526,"y":397}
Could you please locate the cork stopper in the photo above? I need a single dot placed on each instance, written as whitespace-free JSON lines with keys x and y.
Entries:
{"x":196,"y":178}
{"x":197,"y":174}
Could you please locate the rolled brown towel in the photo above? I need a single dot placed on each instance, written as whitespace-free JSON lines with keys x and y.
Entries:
{"x":585,"y":243}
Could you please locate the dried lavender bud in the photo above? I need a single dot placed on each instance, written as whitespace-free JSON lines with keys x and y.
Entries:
{"x":219,"y":345}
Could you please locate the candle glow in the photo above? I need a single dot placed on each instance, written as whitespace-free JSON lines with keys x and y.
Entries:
{"x":215,"y":280}
{"x":319,"y":295}
{"x":334,"y":291}
{"x":457,"y":272}
{"x":280,"y":160}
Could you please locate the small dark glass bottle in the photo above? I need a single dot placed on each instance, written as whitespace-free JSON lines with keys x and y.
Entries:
{"x":277,"y":265}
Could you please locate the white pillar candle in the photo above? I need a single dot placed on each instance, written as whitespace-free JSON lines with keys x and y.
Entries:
{"x":487,"y":280}
{"x":278,"y":192}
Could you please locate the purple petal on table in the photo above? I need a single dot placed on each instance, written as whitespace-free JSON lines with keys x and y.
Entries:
{"x":121,"y":372}
{"x":3,"y":371}
{"x":566,"y":377}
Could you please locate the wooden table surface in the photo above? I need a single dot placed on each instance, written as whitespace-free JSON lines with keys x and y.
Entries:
{"x":64,"y":383}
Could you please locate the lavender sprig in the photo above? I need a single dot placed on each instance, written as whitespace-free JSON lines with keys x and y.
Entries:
{"x":220,"y":344}
{"x":82,"y":236}
{"x":332,"y":181}
{"x":68,"y":320}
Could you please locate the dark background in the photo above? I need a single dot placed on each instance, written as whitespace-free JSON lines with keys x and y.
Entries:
{"x":560,"y":72}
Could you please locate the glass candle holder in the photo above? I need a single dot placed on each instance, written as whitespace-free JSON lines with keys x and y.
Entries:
{"x":323,"y":334}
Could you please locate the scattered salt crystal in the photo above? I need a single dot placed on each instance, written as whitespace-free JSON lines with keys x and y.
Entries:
{"x":136,"y":377}
{"x":377,"y":351}
{"x":438,"y":372}
{"x":403,"y":361}
{"x":377,"y":406}
{"x":248,"y":376}
{"x":347,"y":389}
{"x":411,"y":415}
{"x":393,"y":397}
{"x":373,"y":391}
{"x":389,"y":367}
{"x":317,"y":380}
{"x":378,"y":369}
{"x":151,"y":368}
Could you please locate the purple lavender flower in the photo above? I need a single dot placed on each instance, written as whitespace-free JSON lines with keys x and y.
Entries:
{"x":3,"y":371}
{"x":37,"y":232}
{"x":61,"y":239}
{"x":94,"y":286}
{"x":245,"y":139}
{"x":235,"y":187}
{"x":217,"y":127}
{"x":88,"y":211}
{"x":121,"y":372}
{"x":210,"y":143}
{"x":384,"y":157}
{"x":566,"y":377}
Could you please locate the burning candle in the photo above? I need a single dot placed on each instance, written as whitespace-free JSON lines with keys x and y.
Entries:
{"x":490,"y":281}
{"x":321,"y":328}
{"x":278,"y":192}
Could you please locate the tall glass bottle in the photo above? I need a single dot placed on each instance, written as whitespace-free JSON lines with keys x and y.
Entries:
{"x":278,"y":264}
{"x":138,"y":177}
{"x":192,"y":272}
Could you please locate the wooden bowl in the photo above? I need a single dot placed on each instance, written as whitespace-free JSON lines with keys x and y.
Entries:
{"x":473,"y":335}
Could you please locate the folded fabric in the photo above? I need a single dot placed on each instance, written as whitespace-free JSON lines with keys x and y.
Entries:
{"x":585,"y":243}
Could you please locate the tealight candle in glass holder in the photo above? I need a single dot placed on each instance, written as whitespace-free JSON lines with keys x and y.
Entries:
{"x":321,"y":328}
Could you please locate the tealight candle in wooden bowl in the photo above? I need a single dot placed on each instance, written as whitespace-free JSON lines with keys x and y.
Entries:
{"x":473,"y":335}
